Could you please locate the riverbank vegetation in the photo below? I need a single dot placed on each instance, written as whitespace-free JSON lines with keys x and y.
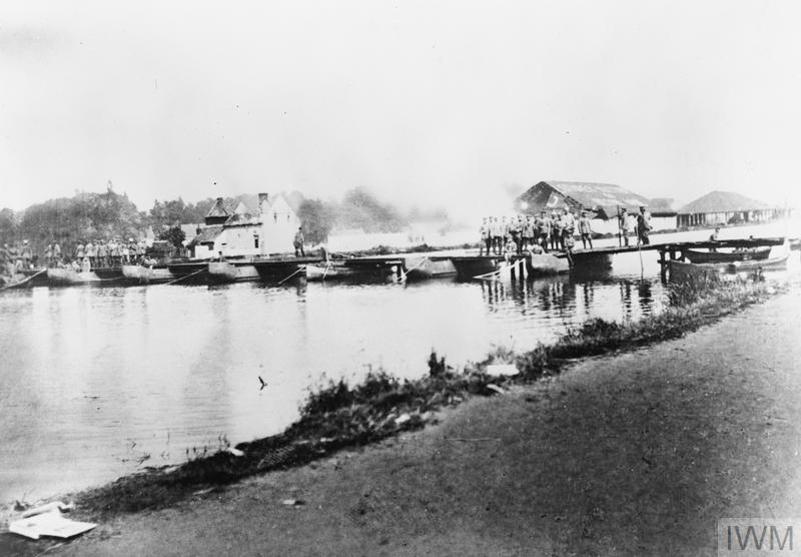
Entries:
{"x":340,"y":415}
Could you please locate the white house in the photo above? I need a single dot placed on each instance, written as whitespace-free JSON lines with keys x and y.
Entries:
{"x":238,"y":233}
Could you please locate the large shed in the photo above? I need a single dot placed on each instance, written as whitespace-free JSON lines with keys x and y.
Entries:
{"x":604,"y":200}
{"x":726,"y":207}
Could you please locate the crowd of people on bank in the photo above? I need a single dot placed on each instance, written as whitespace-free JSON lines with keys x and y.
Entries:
{"x":554,"y":231}
{"x":84,"y":256}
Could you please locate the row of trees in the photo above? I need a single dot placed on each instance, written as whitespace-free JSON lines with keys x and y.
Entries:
{"x":71,"y":220}
{"x":92,"y":216}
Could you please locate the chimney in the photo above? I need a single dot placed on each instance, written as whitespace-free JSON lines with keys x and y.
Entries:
{"x":262,"y":199}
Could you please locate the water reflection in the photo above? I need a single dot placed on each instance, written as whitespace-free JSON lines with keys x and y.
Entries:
{"x":571,"y":299}
{"x":97,"y":382}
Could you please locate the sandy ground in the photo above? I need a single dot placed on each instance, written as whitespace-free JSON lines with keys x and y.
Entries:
{"x":633,"y":454}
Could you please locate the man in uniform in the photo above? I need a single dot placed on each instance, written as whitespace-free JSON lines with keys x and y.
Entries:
{"x":91,"y":254}
{"x":298,"y":243}
{"x":485,"y":238}
{"x":102,"y":254}
{"x":585,"y":230}
{"x":568,"y":228}
{"x":557,"y":226}
{"x":623,"y":225}
{"x":643,"y":226}
{"x":544,"y":230}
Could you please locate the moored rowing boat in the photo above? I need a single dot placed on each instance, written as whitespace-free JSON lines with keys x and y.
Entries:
{"x":766,"y":264}
{"x":697,"y":256}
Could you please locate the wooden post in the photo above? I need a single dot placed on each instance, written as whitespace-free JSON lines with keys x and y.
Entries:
{"x":512,"y":273}
{"x":662,"y":265}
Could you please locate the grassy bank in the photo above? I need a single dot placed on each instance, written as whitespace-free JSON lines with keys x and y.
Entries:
{"x":344,"y":416}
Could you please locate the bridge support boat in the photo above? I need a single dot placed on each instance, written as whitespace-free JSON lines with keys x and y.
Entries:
{"x":423,"y":268}
{"x":141,"y":274}
{"x":68,"y":277}
{"x":543,"y":264}
{"x":469,"y":267}
{"x":223,"y":272}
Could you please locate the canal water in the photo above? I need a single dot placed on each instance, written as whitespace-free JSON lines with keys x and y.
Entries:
{"x":99,"y":382}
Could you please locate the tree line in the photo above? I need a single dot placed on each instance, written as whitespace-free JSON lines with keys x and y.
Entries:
{"x":108,"y":215}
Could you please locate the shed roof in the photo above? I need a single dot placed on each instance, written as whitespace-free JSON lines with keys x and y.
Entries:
{"x":603,"y":199}
{"x":721,"y":202}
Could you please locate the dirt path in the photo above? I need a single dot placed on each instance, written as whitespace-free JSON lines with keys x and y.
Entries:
{"x":635,"y":454}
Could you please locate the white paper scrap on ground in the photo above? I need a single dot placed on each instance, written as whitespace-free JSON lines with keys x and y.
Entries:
{"x":502,"y":369}
{"x":51,"y":523}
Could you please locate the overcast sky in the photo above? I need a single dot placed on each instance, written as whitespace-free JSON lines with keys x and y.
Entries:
{"x":424,"y":102}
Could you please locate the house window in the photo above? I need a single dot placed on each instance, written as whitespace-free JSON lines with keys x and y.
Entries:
{"x":275,"y":217}
{"x":255,"y":240}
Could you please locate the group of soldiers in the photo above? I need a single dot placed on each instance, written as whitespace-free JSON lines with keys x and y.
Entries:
{"x":547,"y":231}
{"x":100,"y":253}
{"x":555,"y":231}
{"x":638,"y":224}
{"x":16,"y":257}
{"x":103,"y":253}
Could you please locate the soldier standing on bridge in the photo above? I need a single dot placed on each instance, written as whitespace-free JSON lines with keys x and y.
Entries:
{"x":544,"y":230}
{"x":585,"y":230}
{"x":486,"y":238}
{"x":623,"y":225}
{"x":643,"y":226}
{"x":299,"y":240}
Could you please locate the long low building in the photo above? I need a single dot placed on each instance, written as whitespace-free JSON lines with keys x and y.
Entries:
{"x":604,"y":201}
{"x":725,"y":207}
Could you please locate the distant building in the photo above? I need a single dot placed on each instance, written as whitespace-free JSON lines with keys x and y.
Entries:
{"x":604,"y":201}
{"x":239,"y":232}
{"x":725,"y":207}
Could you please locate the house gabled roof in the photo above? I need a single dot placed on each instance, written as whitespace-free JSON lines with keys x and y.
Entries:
{"x":219,"y":209}
{"x":242,"y":219}
{"x":723,"y":202}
